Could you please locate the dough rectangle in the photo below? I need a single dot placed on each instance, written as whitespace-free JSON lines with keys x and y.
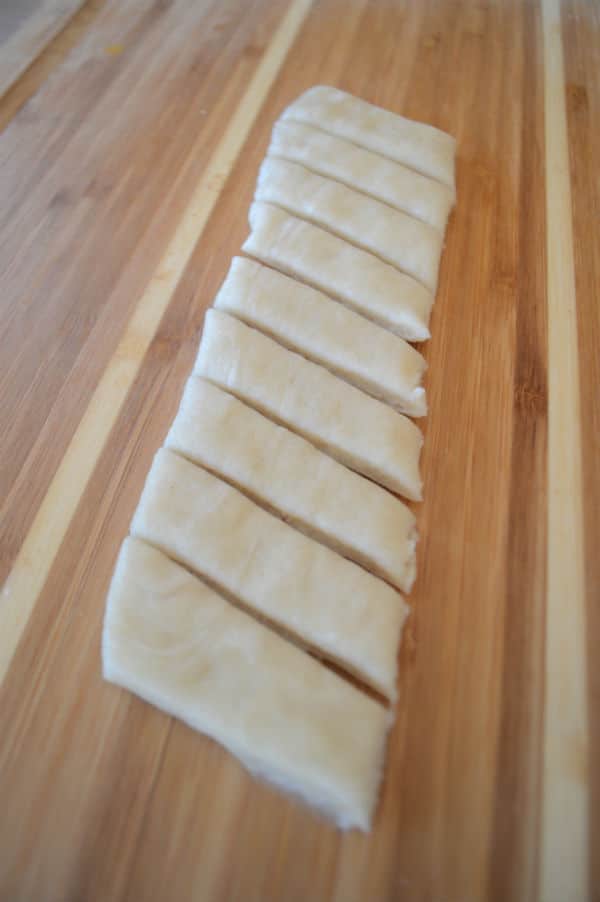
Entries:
{"x":329,"y":603}
{"x":369,"y":172}
{"x":422,"y":147}
{"x":285,"y":472}
{"x":358,"y":430}
{"x":327,"y":332}
{"x":396,"y":238}
{"x":177,"y":644}
{"x":347,"y":273}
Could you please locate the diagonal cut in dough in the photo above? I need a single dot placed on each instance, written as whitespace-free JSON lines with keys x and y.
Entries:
{"x":358,"y":430}
{"x":330,"y":604}
{"x":396,"y":238}
{"x":400,"y":187}
{"x":293,"y":478}
{"x":177,"y":644}
{"x":353,"y":276}
{"x":305,"y":320}
{"x":422,"y":147}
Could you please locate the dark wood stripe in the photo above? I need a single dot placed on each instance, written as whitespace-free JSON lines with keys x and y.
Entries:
{"x":519,"y":764}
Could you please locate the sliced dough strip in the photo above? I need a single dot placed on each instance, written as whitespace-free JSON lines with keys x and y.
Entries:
{"x":394,"y":237}
{"x":355,"y":277}
{"x":285,"y":472}
{"x":173,"y":641}
{"x":385,"y":180}
{"x":422,"y":147}
{"x":358,"y":430}
{"x":329,"y":603}
{"x":327,"y":332}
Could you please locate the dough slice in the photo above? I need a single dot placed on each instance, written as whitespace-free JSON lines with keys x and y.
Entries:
{"x":355,"y":277}
{"x":307,"y":321}
{"x":398,"y":239}
{"x":358,"y":430}
{"x":312,"y":593}
{"x":180,"y":646}
{"x":422,"y":147}
{"x":369,"y":172}
{"x":290,"y":476}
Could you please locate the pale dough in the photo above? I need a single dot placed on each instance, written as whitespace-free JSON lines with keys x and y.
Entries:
{"x":327,"y":332}
{"x":253,"y":538}
{"x":363,"y":433}
{"x":396,"y":238}
{"x":422,"y":147}
{"x":312,"y":593}
{"x":369,"y":172}
{"x":173,"y":641}
{"x":290,"y":476}
{"x":353,"y":276}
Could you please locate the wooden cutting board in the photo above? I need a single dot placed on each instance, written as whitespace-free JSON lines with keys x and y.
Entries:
{"x":128,"y":158}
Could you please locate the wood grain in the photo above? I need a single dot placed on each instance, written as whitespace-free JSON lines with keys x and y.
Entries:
{"x":42,"y":66}
{"x":581,"y":40}
{"x":35,"y":28}
{"x":25,"y":580}
{"x":106,"y":798}
{"x":564,"y":858}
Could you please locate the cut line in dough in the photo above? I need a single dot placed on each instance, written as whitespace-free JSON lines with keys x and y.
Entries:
{"x":327,"y":602}
{"x":346,"y":273}
{"x":396,"y":238}
{"x":424,"y":148}
{"x":325,"y":331}
{"x":178,"y":645}
{"x":385,"y":180}
{"x":284,"y":472}
{"x":359,"y":431}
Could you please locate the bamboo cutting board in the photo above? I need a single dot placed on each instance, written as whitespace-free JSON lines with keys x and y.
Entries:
{"x":128,"y":158}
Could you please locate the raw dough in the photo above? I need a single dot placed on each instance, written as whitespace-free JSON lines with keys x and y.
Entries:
{"x":345,"y":272}
{"x":369,"y":172}
{"x":400,"y":240}
{"x":293,"y":478}
{"x":325,"y":331}
{"x":314,"y":594}
{"x":358,"y":430}
{"x":180,"y":646}
{"x":422,"y":147}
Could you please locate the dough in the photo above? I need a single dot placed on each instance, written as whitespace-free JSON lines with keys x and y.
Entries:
{"x":180,"y":646}
{"x":307,"y":321}
{"x":362,"y":433}
{"x":353,"y":276}
{"x":291,"y":477}
{"x":312,"y":593}
{"x":422,"y":147}
{"x":400,"y":240}
{"x":424,"y":198}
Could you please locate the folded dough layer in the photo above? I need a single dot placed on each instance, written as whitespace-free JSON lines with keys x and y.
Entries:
{"x":358,"y":430}
{"x":396,"y":238}
{"x":173,"y":641}
{"x":355,"y":277}
{"x":314,"y":594}
{"x":290,"y":476}
{"x":327,"y":332}
{"x":369,"y":172}
{"x":422,"y":147}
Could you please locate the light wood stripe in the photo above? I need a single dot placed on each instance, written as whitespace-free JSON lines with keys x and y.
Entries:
{"x":41,"y":545}
{"x":564,"y":852}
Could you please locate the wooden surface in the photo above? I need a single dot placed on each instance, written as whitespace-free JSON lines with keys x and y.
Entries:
{"x":128,"y":158}
{"x":25,"y":29}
